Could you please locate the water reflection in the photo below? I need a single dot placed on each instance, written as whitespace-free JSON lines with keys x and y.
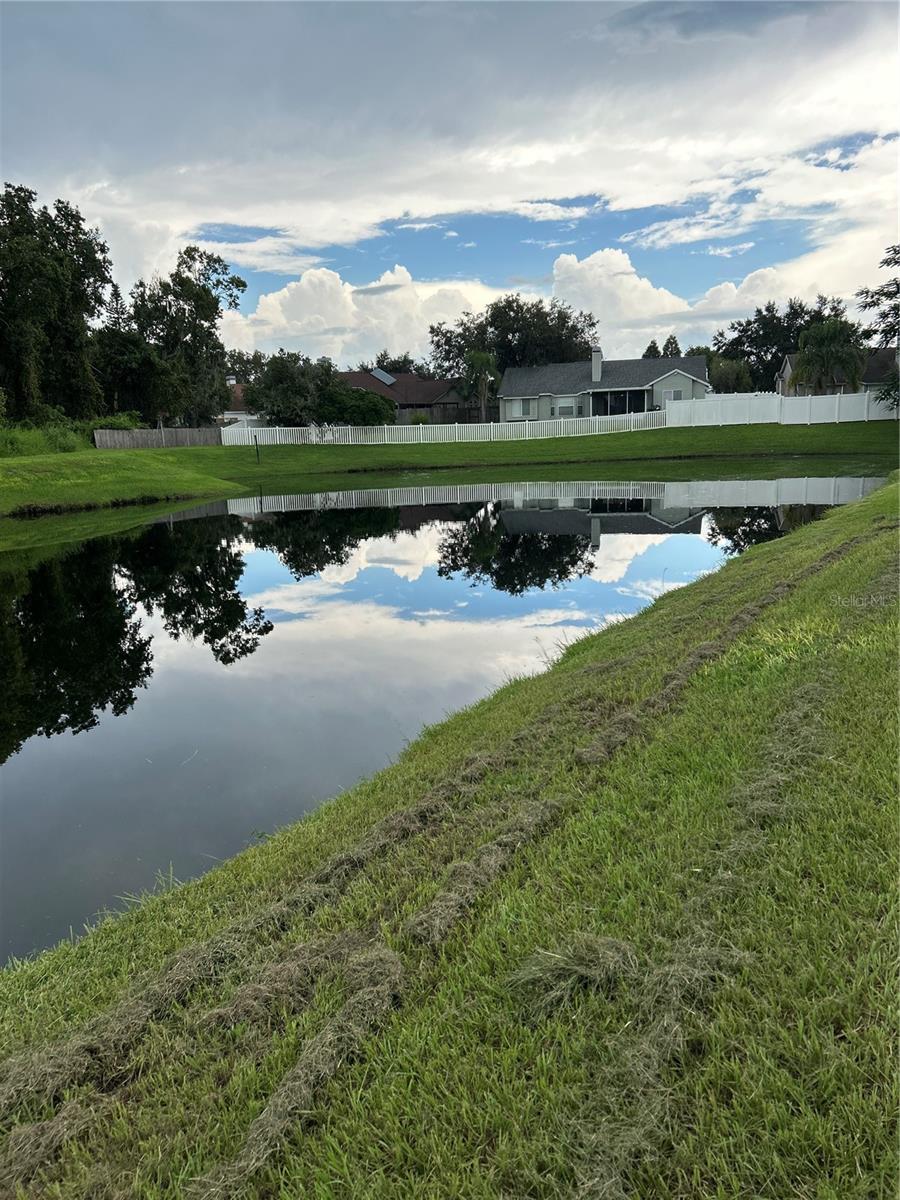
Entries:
{"x":169,"y":691}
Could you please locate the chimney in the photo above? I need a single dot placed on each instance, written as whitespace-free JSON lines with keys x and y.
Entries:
{"x":596,"y":364}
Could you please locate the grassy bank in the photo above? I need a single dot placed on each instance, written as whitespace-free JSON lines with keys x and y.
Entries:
{"x":622,"y":926}
{"x":95,"y":477}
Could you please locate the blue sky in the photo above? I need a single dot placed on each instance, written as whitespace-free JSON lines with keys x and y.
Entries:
{"x":370,"y":168}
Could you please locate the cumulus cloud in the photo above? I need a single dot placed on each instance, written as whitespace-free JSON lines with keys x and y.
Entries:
{"x":321,"y":313}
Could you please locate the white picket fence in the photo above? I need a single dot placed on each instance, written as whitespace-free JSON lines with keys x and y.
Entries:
{"x":753,"y":408}
{"x":384,"y":435}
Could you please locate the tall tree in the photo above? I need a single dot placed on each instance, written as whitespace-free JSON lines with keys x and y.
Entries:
{"x":884,"y":301}
{"x":53,"y":274}
{"x":131,"y":373}
{"x":480,"y":379}
{"x":671,"y":349}
{"x":518,"y":332}
{"x":764,"y":339}
{"x":827,"y":349}
{"x":179,"y":316}
{"x":652,"y":351}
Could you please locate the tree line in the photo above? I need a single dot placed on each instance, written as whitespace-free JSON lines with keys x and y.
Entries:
{"x":73,"y":347}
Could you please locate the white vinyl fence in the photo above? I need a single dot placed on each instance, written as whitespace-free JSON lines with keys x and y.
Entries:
{"x":753,"y":408}
{"x":768,"y":408}
{"x":382,"y":435}
{"x":696,"y":495}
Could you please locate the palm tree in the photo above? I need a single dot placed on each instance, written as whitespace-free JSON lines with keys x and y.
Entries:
{"x":826,"y":348}
{"x":480,"y":377}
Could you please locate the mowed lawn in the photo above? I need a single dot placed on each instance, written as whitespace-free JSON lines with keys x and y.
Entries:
{"x":105,"y":477}
{"x":626,"y":928}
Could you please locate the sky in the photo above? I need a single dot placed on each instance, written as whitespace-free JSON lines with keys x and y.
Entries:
{"x":371,"y":168}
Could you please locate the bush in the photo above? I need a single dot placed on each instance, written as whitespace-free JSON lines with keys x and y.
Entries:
{"x":18,"y":441}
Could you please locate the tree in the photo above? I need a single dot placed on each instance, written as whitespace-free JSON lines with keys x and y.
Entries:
{"x":671,"y":349}
{"x":131,"y":373}
{"x":737,"y":529}
{"x":308,"y":542}
{"x":518,"y":332}
{"x":725,"y":374}
{"x":244,"y":366}
{"x":764,"y":339}
{"x":481,"y":550}
{"x":291,"y":389}
{"x":826,"y":349}
{"x":190,"y":573}
{"x":179,"y":316}
{"x":884,"y":301}
{"x":53,"y":274}
{"x":480,"y":378}
{"x":71,"y":646}
{"x":652,"y":351}
{"x":398,"y":364}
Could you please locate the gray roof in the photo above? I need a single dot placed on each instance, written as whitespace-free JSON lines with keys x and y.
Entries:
{"x":568,"y":379}
{"x":573,"y":520}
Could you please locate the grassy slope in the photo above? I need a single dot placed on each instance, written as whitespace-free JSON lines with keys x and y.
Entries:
{"x":740,"y":842}
{"x":101,"y":477}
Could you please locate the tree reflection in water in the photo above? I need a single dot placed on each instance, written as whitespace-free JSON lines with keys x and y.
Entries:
{"x":480,"y":549}
{"x":735,"y":530}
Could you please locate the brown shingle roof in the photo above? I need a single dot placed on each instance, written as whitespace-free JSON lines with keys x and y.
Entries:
{"x":408,"y":391}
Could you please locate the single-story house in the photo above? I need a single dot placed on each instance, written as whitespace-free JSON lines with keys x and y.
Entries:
{"x":436,"y":400}
{"x":593,"y":517}
{"x":600,"y":387}
{"x":875,"y":373}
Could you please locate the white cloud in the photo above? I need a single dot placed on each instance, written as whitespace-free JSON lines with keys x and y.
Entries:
{"x":730,"y":251}
{"x":418,"y":226}
{"x":548,"y":245}
{"x":617,"y":551}
{"x":279,"y":255}
{"x":451,"y":233}
{"x":321,"y":313}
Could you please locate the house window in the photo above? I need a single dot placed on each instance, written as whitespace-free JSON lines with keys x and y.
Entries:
{"x":552,"y":410}
{"x":581,"y":410}
{"x":677,"y":393}
{"x":526,"y":408}
{"x":566,"y":410}
{"x":672,"y":394}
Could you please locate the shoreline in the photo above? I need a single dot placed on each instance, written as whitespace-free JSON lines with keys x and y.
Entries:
{"x":532,"y":864}
{"x":82,"y":480}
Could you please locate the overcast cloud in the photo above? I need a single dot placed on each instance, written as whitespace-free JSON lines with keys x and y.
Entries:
{"x":723,"y":130}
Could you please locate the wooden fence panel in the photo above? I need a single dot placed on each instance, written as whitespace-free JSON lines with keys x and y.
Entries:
{"x":156,"y":439}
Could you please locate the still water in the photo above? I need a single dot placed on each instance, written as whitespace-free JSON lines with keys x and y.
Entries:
{"x":171,"y":694}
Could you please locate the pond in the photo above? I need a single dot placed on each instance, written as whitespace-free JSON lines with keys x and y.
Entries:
{"x":171,"y":694}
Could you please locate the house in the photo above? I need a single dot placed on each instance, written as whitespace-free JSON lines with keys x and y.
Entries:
{"x":592,"y":518}
{"x":600,"y":387}
{"x":876,"y":372}
{"x":436,"y":401}
{"x":236,"y":413}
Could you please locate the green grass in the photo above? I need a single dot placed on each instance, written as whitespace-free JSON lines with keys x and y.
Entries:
{"x":104,"y":477}
{"x":725,"y":770}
